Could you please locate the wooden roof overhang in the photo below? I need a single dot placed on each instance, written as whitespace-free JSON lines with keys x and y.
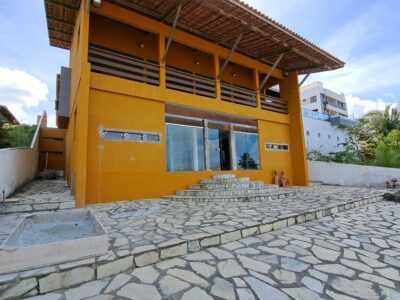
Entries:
{"x":218,"y":21}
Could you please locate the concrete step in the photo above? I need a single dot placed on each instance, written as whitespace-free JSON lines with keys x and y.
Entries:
{"x":224,"y":176}
{"x":261,"y":197}
{"x":228,"y":192}
{"x":224,"y":186}
{"x":225,"y":180}
{"x":10,"y":207}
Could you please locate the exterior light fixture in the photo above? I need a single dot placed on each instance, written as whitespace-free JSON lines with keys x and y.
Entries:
{"x":196,"y":62}
{"x":97,"y":3}
{"x":234,"y":74}
{"x":141,"y":45}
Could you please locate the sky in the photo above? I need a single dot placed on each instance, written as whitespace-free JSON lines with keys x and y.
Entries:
{"x":363,"y":33}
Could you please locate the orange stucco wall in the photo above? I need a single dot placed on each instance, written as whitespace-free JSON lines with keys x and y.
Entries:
{"x":103,"y":170}
{"x":52,"y":148}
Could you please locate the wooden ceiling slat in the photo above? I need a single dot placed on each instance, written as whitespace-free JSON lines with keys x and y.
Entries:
{"x":210,"y":19}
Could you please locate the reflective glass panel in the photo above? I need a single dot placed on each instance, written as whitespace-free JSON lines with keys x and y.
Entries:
{"x":247,"y":156}
{"x":185,"y":148}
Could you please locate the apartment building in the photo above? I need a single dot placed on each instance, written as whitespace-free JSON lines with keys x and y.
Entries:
{"x":319,"y":99}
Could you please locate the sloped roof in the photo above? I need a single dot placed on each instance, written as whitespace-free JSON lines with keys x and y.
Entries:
{"x":7,"y":114}
{"x":218,"y":21}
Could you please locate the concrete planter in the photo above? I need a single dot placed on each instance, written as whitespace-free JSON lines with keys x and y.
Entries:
{"x":50,"y":238}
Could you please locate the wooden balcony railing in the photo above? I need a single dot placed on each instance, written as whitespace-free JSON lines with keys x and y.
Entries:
{"x":236,"y":94}
{"x":181,"y":80}
{"x":274,"y":104}
{"x":114,"y":63}
{"x":117,"y":64}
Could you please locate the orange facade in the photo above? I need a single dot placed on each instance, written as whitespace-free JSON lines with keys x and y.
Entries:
{"x":103,"y":170}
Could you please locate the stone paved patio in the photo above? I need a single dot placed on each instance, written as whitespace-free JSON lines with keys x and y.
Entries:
{"x":133,"y":225}
{"x":145,"y":232}
{"x":352,"y":255}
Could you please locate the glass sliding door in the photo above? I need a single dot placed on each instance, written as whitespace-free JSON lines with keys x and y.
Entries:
{"x":219,"y":149}
{"x":247,"y":156}
{"x":185,"y":148}
{"x":213,"y":149}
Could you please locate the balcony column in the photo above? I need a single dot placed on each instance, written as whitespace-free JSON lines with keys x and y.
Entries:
{"x":217,"y":81}
{"x":290,"y":91}
{"x":161,"y":50}
{"x":257,"y":85}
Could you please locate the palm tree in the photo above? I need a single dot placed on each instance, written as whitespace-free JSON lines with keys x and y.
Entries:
{"x":382,"y":121}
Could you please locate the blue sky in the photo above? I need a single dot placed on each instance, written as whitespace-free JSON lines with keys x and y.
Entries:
{"x":363,"y":33}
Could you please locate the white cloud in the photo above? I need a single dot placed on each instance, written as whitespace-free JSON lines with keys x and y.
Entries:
{"x":19,"y":91}
{"x":368,"y":73}
{"x":275,"y":9}
{"x":359,"y":107}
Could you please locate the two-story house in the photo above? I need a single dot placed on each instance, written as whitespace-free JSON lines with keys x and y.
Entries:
{"x":165,"y":93}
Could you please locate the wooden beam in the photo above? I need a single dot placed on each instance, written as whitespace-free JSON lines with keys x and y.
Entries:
{"x":228,"y":58}
{"x":231,"y":36}
{"x":274,"y":53}
{"x":270,"y":71}
{"x":60,"y":20}
{"x":304,"y":79}
{"x":62,"y":4}
{"x":255,"y":29}
{"x":172,"y":10}
{"x":178,"y":11}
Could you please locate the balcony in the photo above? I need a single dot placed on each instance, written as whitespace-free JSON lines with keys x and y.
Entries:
{"x":237,"y":94}
{"x":274,"y":104}
{"x":114,"y":63}
{"x":181,"y":80}
{"x":341,"y":121}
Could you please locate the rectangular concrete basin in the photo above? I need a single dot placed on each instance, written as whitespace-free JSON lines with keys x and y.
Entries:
{"x":50,"y":238}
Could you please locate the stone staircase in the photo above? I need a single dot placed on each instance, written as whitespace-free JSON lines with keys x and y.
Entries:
{"x":229,"y":188}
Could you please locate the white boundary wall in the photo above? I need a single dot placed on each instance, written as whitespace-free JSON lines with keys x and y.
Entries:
{"x":350,"y":175}
{"x":20,"y":165}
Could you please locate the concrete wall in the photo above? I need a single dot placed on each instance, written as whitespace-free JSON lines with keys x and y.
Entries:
{"x":322,"y":136}
{"x":19,"y":165}
{"x":350,"y":175}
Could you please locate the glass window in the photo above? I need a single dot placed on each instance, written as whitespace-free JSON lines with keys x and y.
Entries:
{"x":247,"y":151}
{"x":151,"y":137}
{"x":133,"y":136}
{"x":113,"y":135}
{"x":185,"y":148}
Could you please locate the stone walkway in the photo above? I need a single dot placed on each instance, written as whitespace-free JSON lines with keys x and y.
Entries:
{"x":39,"y":195}
{"x":352,"y":255}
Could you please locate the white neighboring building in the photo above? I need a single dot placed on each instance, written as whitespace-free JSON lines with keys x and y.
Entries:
{"x":325,"y":118}
{"x":321,"y":133}
{"x":316,"y":98}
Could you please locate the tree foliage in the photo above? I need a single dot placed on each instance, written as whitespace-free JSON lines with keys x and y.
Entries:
{"x":15,"y":135}
{"x":374,"y":140}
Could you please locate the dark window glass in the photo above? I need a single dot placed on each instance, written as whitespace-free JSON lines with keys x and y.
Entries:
{"x":247,"y":156}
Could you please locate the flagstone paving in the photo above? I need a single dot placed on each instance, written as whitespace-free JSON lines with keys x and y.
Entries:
{"x":133,"y":225}
{"x":353,"y":254}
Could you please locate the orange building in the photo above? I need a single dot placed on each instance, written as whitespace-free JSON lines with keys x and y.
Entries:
{"x":165,"y":93}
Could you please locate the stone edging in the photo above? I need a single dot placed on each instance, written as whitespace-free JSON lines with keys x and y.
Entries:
{"x":51,"y":278}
